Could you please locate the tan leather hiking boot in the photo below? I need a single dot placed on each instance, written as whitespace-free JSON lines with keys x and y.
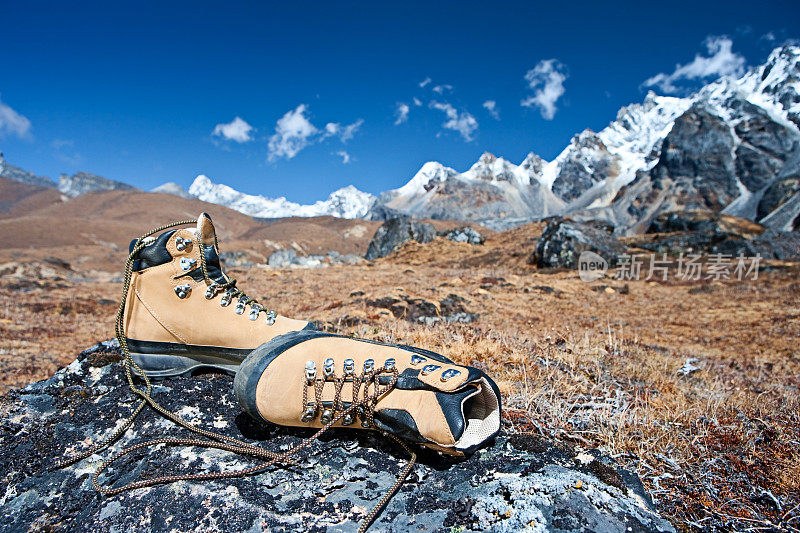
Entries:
{"x":182,"y":312}
{"x":315,"y":379}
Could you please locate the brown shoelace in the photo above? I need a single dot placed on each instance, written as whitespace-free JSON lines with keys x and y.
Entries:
{"x":364,"y":406}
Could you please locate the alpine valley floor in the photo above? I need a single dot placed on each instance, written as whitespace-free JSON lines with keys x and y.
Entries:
{"x":693,"y":385}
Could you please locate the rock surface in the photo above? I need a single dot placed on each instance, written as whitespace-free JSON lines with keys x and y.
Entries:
{"x":290,"y":259}
{"x":392,"y":234}
{"x":563,"y":241}
{"x":517,"y":483}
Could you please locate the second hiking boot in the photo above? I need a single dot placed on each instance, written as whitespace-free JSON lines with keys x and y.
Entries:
{"x":315,"y":379}
{"x":182,"y":312}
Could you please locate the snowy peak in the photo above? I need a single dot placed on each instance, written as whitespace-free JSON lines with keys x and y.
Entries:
{"x":347,"y":202}
{"x":425,"y":179}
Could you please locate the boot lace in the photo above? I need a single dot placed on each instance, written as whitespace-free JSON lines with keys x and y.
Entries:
{"x":364,"y":405}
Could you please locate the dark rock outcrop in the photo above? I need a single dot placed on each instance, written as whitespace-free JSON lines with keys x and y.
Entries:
{"x":392,"y":234}
{"x":563,"y":241}
{"x":451,"y":309}
{"x":705,"y":232}
{"x":519,"y":482}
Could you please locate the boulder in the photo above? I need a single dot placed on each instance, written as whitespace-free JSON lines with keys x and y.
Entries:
{"x":465,"y":234}
{"x":563,"y":241}
{"x":392,"y":234}
{"x":517,"y":483}
{"x":451,"y":309}
{"x":290,"y":259}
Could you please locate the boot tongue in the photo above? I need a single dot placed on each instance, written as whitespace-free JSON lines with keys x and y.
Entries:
{"x":205,"y":229}
{"x":207,"y":236}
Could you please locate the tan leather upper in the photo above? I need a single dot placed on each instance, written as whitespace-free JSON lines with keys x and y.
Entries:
{"x":154,"y":312}
{"x":279,"y":392}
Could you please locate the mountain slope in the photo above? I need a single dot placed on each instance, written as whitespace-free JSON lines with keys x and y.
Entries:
{"x":9,"y":171}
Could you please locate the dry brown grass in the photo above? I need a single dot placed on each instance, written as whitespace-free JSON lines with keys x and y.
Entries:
{"x":592,"y":365}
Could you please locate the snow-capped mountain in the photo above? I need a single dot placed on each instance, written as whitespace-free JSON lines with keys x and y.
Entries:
{"x":347,"y":202}
{"x":492,"y":190}
{"x":731,"y":146}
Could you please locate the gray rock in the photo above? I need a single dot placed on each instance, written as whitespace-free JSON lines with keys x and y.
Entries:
{"x":517,"y":483}
{"x":465,"y":234}
{"x":392,"y":234}
{"x":563,"y":241}
{"x":290,"y":259}
{"x":236,"y":259}
{"x":282,"y":258}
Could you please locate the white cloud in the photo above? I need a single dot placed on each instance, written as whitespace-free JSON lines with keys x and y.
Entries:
{"x":462,"y":122}
{"x":345,"y":156}
{"x":721,"y":61}
{"x":425,"y":82}
{"x":345,"y":133}
{"x":293,"y":132}
{"x":236,"y":130}
{"x":401,"y":112}
{"x":12,"y":123}
{"x":546,"y":79}
{"x":440,"y":89}
{"x":491,"y":107}
{"x":417,"y":101}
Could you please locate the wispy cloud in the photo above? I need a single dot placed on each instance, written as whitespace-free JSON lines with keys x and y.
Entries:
{"x":64,"y":151}
{"x":417,"y":101}
{"x":462,"y":122}
{"x":491,"y":107}
{"x":345,"y":133}
{"x":441,"y":89}
{"x":425,"y":82}
{"x":236,"y":130}
{"x":12,"y":123}
{"x":546,"y":79}
{"x":294,"y":132}
{"x":345,"y":156}
{"x":401,"y":113}
{"x":720,"y":61}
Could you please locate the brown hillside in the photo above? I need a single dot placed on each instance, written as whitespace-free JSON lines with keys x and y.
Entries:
{"x":18,"y":199}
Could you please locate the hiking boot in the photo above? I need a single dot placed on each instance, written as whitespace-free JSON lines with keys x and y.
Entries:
{"x":314,"y":379}
{"x":183,"y":313}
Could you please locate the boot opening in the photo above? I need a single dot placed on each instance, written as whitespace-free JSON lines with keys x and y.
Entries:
{"x":481,"y":413}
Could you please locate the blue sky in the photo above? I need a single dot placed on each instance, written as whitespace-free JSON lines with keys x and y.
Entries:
{"x":136,"y":92}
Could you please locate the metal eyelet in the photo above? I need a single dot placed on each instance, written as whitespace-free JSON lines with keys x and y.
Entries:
{"x":349,"y":367}
{"x":211,"y":291}
{"x":389,"y":364}
{"x":427,"y":369}
{"x":225,"y":301}
{"x":450,"y":373}
{"x":183,"y":291}
{"x":182,"y":244}
{"x":254,"y":313}
{"x":327,"y":367}
{"x":187,"y":263}
{"x":347,"y":419}
{"x":364,"y":424}
{"x":240,"y":308}
{"x":308,"y":414}
{"x":311,"y":371}
{"x":270,"y":317}
{"x":369,"y":364}
{"x":327,"y":416}
{"x":417,"y":359}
